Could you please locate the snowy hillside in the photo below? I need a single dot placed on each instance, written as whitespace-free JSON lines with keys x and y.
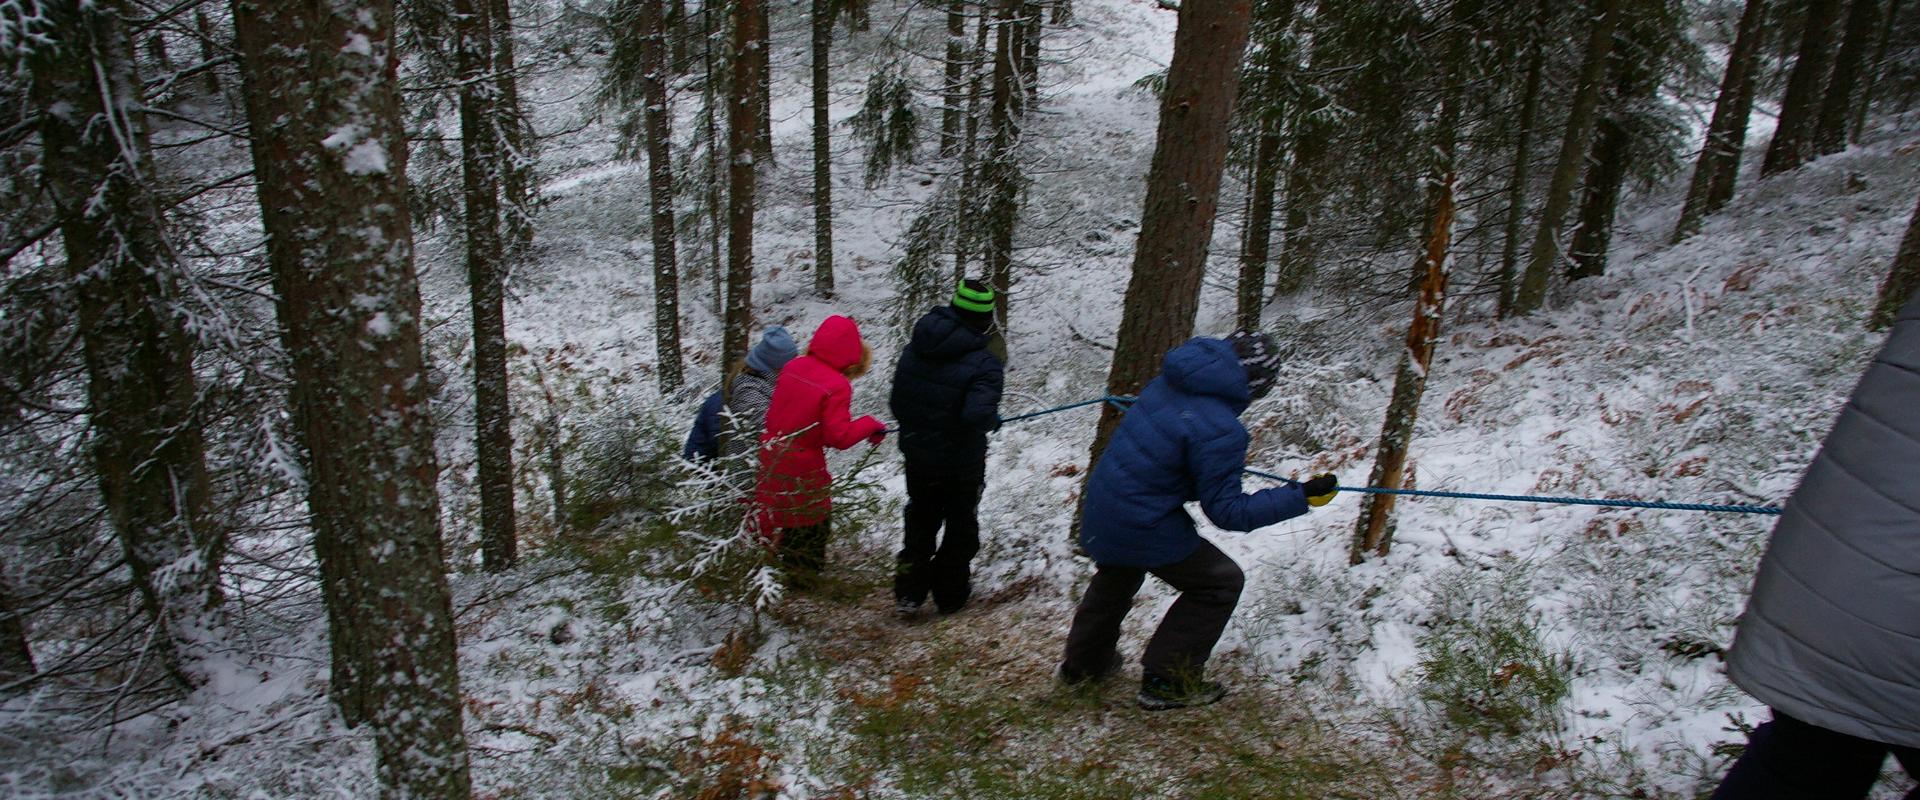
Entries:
{"x":1585,"y":642}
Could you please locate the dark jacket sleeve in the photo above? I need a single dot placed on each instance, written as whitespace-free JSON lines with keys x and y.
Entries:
{"x":1216,"y":462}
{"x":703,"y":442}
{"x":981,"y":408}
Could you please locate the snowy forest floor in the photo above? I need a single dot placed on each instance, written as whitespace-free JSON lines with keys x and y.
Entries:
{"x":1502,"y":650}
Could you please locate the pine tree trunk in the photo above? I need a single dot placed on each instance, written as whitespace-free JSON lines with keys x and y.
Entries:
{"x":666,"y":264}
{"x":1183,"y":194}
{"x":1299,"y":247}
{"x":16,"y":654}
{"x":157,"y":50}
{"x":715,"y":193}
{"x":1001,"y":173}
{"x":1030,"y":27}
{"x":1718,"y":168}
{"x":952,"y":93}
{"x":1522,"y":177}
{"x":1843,"y":88}
{"x":1876,"y":70}
{"x":743,"y":139}
{"x":1374,"y":531}
{"x":1259,"y":236}
{"x":1903,"y":280}
{"x":761,"y":49}
{"x":1793,"y":138}
{"x":207,"y":53}
{"x":147,"y":445}
{"x":822,"y":150}
{"x":1573,"y":149}
{"x":515,"y":135}
{"x":966,"y":223}
{"x":486,"y":282}
{"x":1608,"y":165}
{"x":330,"y":153}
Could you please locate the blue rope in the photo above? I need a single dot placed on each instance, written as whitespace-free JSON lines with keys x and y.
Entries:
{"x":1122,"y":402}
{"x":1527,"y":498}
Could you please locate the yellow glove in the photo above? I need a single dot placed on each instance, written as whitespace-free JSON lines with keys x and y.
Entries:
{"x":1320,"y":489}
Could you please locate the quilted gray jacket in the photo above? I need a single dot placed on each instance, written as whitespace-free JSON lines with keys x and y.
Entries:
{"x":1832,"y":632}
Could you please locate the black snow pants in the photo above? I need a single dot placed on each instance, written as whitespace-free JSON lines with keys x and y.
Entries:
{"x":929,"y":563}
{"x":1209,"y":583}
{"x":1790,"y":759}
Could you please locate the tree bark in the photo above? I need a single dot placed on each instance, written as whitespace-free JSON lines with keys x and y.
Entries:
{"x":1001,"y":173}
{"x":666,"y":264}
{"x":207,"y":53}
{"x":743,"y":138}
{"x":761,"y":50}
{"x":1793,"y":138}
{"x":486,"y":282}
{"x":515,"y":135}
{"x":966,"y":223}
{"x":147,"y":447}
{"x":1843,"y":88}
{"x":1573,"y":148}
{"x":16,"y":654}
{"x":1903,"y":280}
{"x":330,"y":153}
{"x":715,"y":191}
{"x":1251,"y":292}
{"x":1183,"y":193}
{"x":1299,"y":247}
{"x":1875,"y":71}
{"x":822,"y":150}
{"x":1521,"y":178}
{"x":953,"y":92}
{"x":1718,"y":168}
{"x":1608,"y":165}
{"x":1374,"y":531}
{"x":1030,"y":27}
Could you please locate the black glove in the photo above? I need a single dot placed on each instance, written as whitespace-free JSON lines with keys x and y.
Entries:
{"x":1320,"y":489}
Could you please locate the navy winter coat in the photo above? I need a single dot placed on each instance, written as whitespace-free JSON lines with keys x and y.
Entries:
{"x":946,"y":394}
{"x":703,"y":442}
{"x":1181,"y":441}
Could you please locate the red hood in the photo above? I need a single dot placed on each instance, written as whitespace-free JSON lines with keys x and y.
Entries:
{"x":836,"y":342}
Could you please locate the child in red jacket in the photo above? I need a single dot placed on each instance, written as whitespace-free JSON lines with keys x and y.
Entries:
{"x":809,"y":413}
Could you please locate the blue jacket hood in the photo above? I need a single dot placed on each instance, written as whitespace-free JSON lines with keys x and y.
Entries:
{"x":1208,"y":367}
{"x":941,"y":336}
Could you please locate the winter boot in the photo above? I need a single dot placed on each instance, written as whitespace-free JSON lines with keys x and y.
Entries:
{"x":1160,"y":694}
{"x":1074,"y":677}
{"x":905,"y":610}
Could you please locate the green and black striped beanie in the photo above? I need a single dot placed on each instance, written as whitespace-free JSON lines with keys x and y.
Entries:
{"x":973,"y":297}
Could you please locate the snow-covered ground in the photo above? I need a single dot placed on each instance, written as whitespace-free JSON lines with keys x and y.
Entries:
{"x":1703,"y":372}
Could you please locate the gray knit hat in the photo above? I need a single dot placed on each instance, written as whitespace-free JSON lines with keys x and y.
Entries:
{"x":775,"y":349}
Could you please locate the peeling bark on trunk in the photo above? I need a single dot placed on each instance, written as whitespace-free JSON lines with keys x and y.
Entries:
{"x":666,"y":264}
{"x":1183,"y":194}
{"x":1532,"y":292}
{"x":147,"y":446}
{"x":330,"y":153}
{"x":1718,"y":168}
{"x":486,"y":282}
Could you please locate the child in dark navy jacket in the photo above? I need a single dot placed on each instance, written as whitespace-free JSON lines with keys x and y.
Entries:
{"x":946,"y":396}
{"x":1181,"y":441}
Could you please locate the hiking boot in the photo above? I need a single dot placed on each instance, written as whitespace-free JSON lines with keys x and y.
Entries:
{"x":1160,"y":694}
{"x":1074,"y":677}
{"x":905,"y":610}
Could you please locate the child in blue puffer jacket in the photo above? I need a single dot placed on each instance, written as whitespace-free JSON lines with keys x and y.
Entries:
{"x":1181,"y":441}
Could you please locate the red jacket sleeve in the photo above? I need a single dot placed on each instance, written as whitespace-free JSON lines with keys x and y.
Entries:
{"x":840,"y":431}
